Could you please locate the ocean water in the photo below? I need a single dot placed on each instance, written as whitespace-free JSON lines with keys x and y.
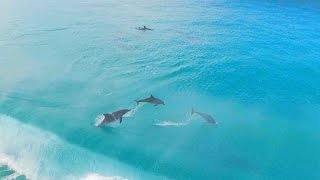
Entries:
{"x":253,"y":65}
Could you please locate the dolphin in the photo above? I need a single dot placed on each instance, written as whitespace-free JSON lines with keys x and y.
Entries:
{"x":151,"y":100}
{"x":110,"y":117}
{"x":206,"y":117}
{"x":144,"y":28}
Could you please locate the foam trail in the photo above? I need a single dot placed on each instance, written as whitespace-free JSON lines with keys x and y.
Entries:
{"x":134,"y":110}
{"x":176,"y":124}
{"x":170,"y":123}
{"x":99,"y":177}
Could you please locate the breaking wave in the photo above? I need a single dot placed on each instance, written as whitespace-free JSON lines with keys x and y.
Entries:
{"x":41,"y":155}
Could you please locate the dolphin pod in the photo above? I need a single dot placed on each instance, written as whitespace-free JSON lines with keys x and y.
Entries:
{"x":118,"y":115}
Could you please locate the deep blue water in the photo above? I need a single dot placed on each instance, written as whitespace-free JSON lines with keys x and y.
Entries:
{"x":254,"y":66}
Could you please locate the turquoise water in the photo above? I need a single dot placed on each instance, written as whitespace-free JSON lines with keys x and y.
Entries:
{"x":254,"y":66}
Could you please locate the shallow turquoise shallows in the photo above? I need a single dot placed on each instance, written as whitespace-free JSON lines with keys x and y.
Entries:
{"x":252,"y":65}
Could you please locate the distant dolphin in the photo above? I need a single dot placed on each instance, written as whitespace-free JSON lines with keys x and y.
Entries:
{"x":108,"y":118}
{"x":151,"y":100}
{"x":144,"y":28}
{"x":206,"y":117}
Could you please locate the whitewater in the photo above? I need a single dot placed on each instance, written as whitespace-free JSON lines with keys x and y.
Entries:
{"x":36,"y":154}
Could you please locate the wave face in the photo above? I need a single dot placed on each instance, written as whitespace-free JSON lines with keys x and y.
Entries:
{"x":252,"y":65}
{"x":31,"y":153}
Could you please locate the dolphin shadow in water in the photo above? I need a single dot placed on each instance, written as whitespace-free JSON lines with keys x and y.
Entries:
{"x":151,"y":100}
{"x":205,"y":116}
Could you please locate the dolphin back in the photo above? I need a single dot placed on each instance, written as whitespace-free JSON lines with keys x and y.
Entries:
{"x":148,"y":99}
{"x":151,"y":99}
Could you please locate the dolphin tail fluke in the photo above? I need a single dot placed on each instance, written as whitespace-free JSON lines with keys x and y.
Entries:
{"x":192,"y":111}
{"x":137,"y":102}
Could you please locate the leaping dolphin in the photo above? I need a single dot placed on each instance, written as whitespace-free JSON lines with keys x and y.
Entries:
{"x":144,"y":28}
{"x":206,"y":117}
{"x":151,"y":100}
{"x":111,"y":117}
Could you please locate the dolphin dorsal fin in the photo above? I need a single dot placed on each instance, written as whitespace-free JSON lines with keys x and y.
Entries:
{"x":151,"y":96}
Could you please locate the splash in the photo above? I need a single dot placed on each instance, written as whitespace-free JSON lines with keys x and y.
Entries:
{"x":188,"y":120}
{"x":171,"y":123}
{"x":134,"y":110}
{"x":99,"y":120}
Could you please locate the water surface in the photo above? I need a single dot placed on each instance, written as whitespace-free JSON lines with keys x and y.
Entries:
{"x":254,"y":66}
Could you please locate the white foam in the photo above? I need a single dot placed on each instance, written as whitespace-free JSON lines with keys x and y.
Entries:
{"x":15,"y":151}
{"x":99,"y":120}
{"x":100,"y":177}
{"x":17,"y":167}
{"x":41,"y":155}
{"x":175,"y":123}
{"x":171,"y":123}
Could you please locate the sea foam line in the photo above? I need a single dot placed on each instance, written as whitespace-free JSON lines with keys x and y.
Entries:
{"x":175,"y":123}
{"x":171,"y":123}
{"x":93,"y":176}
